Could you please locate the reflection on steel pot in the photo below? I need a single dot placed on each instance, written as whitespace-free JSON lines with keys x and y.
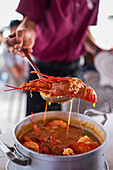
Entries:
{"x":93,"y":160}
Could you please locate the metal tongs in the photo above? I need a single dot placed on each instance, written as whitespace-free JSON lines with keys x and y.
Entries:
{"x":28,"y":56}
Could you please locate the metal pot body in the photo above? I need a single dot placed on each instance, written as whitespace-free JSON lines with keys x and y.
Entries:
{"x":93,"y":160}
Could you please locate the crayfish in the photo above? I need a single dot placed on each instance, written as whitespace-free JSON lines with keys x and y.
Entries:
{"x":52,"y":146}
{"x":58,"y":89}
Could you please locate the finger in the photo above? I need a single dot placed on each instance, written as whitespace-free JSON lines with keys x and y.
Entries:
{"x":13,"y":34}
{"x":18,"y":45}
{"x":30,"y":50}
{"x":20,"y":35}
{"x":11,"y":42}
{"x":10,"y":49}
{"x":22,"y":54}
{"x":15,"y":51}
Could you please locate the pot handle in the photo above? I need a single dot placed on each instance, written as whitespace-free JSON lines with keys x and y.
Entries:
{"x":20,"y":159}
{"x":93,"y":112}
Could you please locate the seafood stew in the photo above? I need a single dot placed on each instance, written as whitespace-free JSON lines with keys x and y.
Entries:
{"x":54,"y":139}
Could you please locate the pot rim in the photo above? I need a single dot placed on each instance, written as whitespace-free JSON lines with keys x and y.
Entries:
{"x":42,"y":156}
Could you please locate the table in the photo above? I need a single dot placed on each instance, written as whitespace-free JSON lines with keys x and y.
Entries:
{"x":8,"y":139}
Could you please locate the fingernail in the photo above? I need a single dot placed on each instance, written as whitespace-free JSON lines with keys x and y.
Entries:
{"x":15,"y":46}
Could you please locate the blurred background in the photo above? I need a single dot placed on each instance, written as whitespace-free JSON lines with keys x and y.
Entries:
{"x":97,"y":72}
{"x":12,"y":104}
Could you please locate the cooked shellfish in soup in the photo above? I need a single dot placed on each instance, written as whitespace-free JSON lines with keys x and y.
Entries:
{"x":54,"y":139}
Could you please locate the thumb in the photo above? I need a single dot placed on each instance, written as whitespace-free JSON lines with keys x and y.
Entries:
{"x":19,"y":36}
{"x":12,"y":35}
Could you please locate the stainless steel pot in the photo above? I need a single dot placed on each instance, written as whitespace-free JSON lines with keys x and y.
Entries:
{"x":27,"y":159}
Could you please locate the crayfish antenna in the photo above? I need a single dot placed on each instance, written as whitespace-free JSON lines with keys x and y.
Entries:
{"x":31,"y":119}
{"x":44,"y":75}
{"x":12,"y":88}
{"x":35,"y":127}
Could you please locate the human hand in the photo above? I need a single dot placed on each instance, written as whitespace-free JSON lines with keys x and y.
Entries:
{"x":22,"y":38}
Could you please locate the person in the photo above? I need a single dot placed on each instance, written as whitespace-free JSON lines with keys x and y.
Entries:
{"x":1,"y":36}
{"x":16,"y":66}
{"x":56,"y":30}
{"x":2,"y":69}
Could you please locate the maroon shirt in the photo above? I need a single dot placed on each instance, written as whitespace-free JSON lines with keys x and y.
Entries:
{"x":61,"y":26}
